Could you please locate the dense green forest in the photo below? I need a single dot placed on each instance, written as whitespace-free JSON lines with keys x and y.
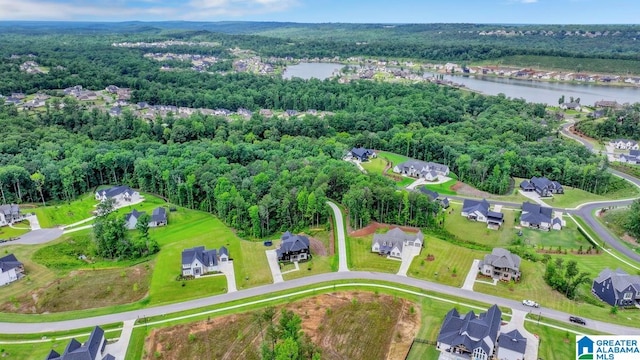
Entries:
{"x":260,"y":175}
{"x":622,"y":123}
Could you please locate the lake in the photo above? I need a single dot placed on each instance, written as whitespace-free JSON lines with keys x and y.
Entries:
{"x":531,"y":91}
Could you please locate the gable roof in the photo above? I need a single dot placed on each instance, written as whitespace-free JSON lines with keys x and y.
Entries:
{"x":291,"y":243}
{"x":535,"y":214}
{"x":620,"y":280}
{"x":360,"y":152}
{"x":205,"y":257}
{"x":423,"y":166}
{"x":159,"y":214}
{"x":9,"y":262}
{"x":133,"y":214}
{"x":470,"y":205}
{"x":513,"y":341}
{"x":430,"y":193}
{"x":502,"y":258}
{"x":115,"y":191}
{"x":470,"y":331}
{"x":77,"y":351}
{"x":10,"y":209}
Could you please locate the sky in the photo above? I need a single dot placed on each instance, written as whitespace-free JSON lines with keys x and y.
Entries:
{"x":325,"y":11}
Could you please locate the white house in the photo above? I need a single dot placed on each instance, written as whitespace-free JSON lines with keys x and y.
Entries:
{"x":121,"y":194}
{"x":10,"y":269}
{"x":420,"y":169}
{"x":394,"y":241}
{"x":198,"y":261}
{"x":625,"y":144}
{"x":9,"y":213}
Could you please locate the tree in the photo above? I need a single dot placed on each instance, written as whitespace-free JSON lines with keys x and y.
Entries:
{"x":110,"y":234}
{"x":38,"y":179}
{"x":632,"y":223}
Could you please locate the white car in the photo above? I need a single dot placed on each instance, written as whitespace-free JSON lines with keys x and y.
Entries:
{"x":530,"y":303}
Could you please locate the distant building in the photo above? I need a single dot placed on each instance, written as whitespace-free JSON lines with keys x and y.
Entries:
{"x":362,"y":154}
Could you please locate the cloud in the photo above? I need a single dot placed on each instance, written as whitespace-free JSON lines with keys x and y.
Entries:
{"x":528,"y":1}
{"x":137,"y":10}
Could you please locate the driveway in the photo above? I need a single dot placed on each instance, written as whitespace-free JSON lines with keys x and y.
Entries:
{"x":119,"y":348}
{"x":532,"y":195}
{"x":272,"y":257}
{"x":471,"y":276}
{"x":36,"y":237}
{"x":517,"y":323}
{"x":342,"y":242}
{"x":33,"y":222}
{"x":229,"y":271}
{"x":408,"y":253}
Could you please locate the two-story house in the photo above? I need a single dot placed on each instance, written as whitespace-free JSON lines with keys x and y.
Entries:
{"x":617,"y":288}
{"x":293,"y":248}
{"x":501,"y":264}
{"x":197,"y":261}
{"x":394,"y":241}
{"x":10,"y":269}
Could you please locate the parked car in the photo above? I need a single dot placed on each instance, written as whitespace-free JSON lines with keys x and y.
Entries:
{"x":530,"y":303}
{"x":577,"y":320}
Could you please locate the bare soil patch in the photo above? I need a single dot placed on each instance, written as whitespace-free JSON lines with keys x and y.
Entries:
{"x":317,"y":247}
{"x":345,"y":325}
{"x":374,"y":226}
{"x":85,"y":289}
{"x":468,"y":190}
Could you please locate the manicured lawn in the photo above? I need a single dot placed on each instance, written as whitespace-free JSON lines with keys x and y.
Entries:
{"x":66,"y":213}
{"x":478,"y":232}
{"x":7,"y":232}
{"x":567,"y":238}
{"x":406,"y":181}
{"x":317,"y":265}
{"x":362,"y":259}
{"x":374,"y":166}
{"x":573,"y":197}
{"x":555,"y":343}
{"x":444,"y":188}
{"x":256,"y":270}
{"x":394,"y":158}
{"x":449,"y":266}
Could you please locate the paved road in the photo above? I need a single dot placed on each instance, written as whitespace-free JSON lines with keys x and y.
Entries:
{"x":35,"y":237}
{"x":565,"y":131}
{"x":31,"y":328}
{"x":342,"y":243}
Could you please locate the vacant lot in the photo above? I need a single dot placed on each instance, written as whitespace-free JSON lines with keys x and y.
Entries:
{"x":78,"y":291}
{"x":573,"y":197}
{"x":567,"y":238}
{"x":382,"y":326}
{"x":474,"y":231}
{"x":66,"y":213}
{"x":361,"y":258}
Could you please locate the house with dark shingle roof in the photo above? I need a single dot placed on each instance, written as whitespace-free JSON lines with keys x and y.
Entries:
{"x":511,"y":345}
{"x":362,"y":154}
{"x":158,"y":217}
{"x":535,"y":216}
{"x":10,"y":269}
{"x":470,"y":336}
{"x":198,"y":261}
{"x":293,"y":248}
{"x":543,"y":186}
{"x":131,"y":219}
{"x":617,"y":288}
{"x":421,"y":169}
{"x":393,"y":241}
{"x":501,"y":264}
{"x":478,"y":210}
{"x":633,"y":157}
{"x":93,"y":349}
{"x":121,"y":194}
{"x":9,"y":213}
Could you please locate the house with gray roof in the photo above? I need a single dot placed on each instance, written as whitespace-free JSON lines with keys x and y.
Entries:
{"x":10,"y":269}
{"x":543,"y":186}
{"x":511,"y":345}
{"x":429,"y":171}
{"x":362,"y":154}
{"x":501,"y":264}
{"x":633,"y":157}
{"x":470,"y":336}
{"x":293,"y":248}
{"x":158,"y":217}
{"x":394,"y":241}
{"x":625,"y":144}
{"x":617,"y":288}
{"x":131,"y":219}
{"x":478,"y":210}
{"x":93,"y":349}
{"x":9,"y":213}
{"x":535,"y":216}
{"x":121,"y":194}
{"x":197,"y":261}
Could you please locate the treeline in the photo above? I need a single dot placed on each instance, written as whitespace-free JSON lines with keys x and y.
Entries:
{"x":622,"y":123}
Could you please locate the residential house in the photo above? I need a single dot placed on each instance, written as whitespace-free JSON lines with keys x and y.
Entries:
{"x":470,"y":336}
{"x":543,"y":186}
{"x":115,"y":111}
{"x":9,"y":213}
{"x":632,"y":158}
{"x":131,"y":219}
{"x":434,"y":196}
{"x":293,"y":248}
{"x":570,"y":106}
{"x":394,"y":241}
{"x":121,"y":194}
{"x":501,"y":264}
{"x":112,"y":89}
{"x":362,"y":154}
{"x":10,"y":269}
{"x":625,"y":144}
{"x":597,"y":114}
{"x":266,"y":112}
{"x":244,"y":112}
{"x":93,"y":349}
{"x":478,"y":210}
{"x":606,"y":104}
{"x":617,"y":288}
{"x":198,"y":261}
{"x":158,"y":217}
{"x":420,"y":169}
{"x":535,"y":216}
{"x":512,"y":346}
{"x":290,"y":113}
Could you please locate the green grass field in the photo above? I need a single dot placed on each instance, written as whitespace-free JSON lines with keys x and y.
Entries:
{"x":573,"y":197}
{"x":66,"y":213}
{"x":317,"y":265}
{"x":466,"y":229}
{"x":374,"y":166}
{"x":362,"y":259}
{"x":394,"y":158}
{"x":444,"y":188}
{"x":567,"y":238}
{"x":20,"y":229}
{"x":450,"y":263}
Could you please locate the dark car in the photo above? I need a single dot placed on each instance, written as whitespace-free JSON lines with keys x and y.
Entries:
{"x":577,"y":320}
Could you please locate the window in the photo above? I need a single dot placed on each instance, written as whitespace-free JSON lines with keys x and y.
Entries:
{"x":628,"y":295}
